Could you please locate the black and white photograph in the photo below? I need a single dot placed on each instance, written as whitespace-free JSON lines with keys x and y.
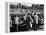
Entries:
{"x":26,"y":17}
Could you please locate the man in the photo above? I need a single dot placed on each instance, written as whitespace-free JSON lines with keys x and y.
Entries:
{"x":16,"y":20}
{"x":29,"y":21}
{"x":35,"y":21}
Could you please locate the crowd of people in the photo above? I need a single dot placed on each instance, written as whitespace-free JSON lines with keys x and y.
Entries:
{"x":30,"y":21}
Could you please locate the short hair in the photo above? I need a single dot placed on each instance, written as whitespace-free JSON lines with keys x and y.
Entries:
{"x":28,"y":13}
{"x":34,"y":13}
